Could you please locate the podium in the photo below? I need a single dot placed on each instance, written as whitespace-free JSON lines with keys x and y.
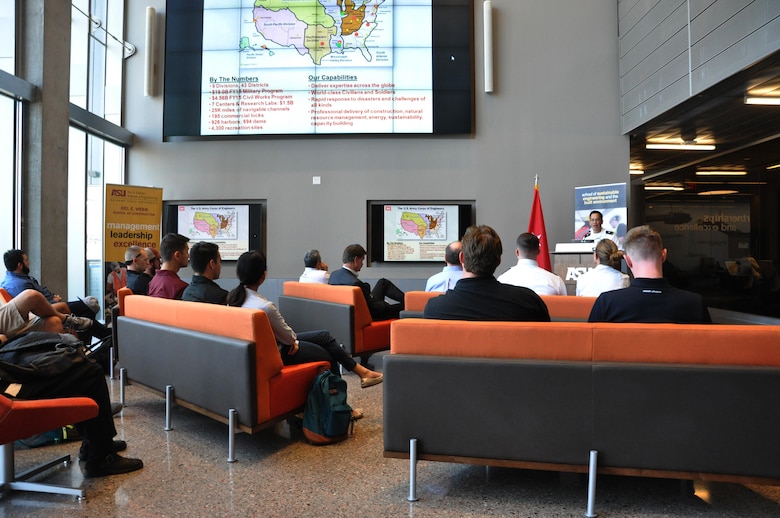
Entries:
{"x":570,"y":260}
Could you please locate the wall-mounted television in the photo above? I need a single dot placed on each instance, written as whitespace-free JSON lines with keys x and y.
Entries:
{"x":416,"y":231}
{"x":254,"y":68}
{"x":236,"y":226}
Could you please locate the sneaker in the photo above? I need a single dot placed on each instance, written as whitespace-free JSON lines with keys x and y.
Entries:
{"x":111,"y":464}
{"x":78,"y":324}
{"x":84,"y":450}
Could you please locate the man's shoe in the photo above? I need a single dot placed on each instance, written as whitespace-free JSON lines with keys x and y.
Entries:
{"x":111,"y":464}
{"x":78,"y":324}
{"x":84,"y":450}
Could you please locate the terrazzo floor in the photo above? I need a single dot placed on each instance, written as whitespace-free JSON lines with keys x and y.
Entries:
{"x":278,"y":474}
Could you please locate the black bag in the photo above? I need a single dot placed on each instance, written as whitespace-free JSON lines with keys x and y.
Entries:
{"x":327,"y":416}
{"x":37,"y":355}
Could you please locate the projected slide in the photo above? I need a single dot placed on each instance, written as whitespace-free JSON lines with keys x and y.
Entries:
{"x":225,"y":225}
{"x":316,"y":66}
{"x":419,"y":232}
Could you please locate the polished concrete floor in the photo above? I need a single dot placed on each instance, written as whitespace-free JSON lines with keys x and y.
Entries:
{"x":279,"y":474}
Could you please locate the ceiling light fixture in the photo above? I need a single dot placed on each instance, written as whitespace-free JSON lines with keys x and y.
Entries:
{"x":776,"y":166}
{"x":765,"y":101}
{"x":721,"y":173}
{"x":636,"y":171}
{"x":717,"y":193}
{"x":663,"y":188}
{"x":689,"y":145}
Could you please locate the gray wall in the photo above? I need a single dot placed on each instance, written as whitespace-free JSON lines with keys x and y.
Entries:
{"x":671,"y":50}
{"x":555,"y":113}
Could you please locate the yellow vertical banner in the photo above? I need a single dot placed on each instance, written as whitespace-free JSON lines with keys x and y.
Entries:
{"x":133,"y":217}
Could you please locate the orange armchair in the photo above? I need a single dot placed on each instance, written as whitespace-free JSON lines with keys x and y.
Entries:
{"x":21,"y":419}
{"x":342,"y":310}
{"x":5,"y":295}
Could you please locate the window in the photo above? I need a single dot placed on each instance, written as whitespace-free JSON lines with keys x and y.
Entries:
{"x":8,"y":36}
{"x":8,"y":140}
{"x":97,"y":142}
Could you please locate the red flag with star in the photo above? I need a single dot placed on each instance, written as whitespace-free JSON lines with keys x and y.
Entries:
{"x":536,"y":227}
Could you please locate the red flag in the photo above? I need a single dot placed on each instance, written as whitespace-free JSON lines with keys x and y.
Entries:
{"x":536,"y":227}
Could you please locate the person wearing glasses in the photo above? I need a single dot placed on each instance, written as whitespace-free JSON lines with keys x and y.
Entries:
{"x":155,"y":261}
{"x":137,"y":262}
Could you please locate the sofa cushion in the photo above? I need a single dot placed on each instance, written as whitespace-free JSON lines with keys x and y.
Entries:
{"x":525,"y":340}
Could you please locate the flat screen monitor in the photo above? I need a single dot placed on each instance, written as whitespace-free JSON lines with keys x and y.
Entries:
{"x":235,"y":227}
{"x":416,"y":231}
{"x":255,"y":68}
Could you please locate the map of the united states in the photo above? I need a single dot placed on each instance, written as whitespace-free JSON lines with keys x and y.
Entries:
{"x":318,"y":28}
{"x":214,"y":224}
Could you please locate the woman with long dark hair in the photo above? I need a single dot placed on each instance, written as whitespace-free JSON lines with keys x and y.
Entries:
{"x":295,"y":348}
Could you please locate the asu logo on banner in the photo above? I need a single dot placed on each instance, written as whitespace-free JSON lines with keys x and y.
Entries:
{"x":133,"y":216}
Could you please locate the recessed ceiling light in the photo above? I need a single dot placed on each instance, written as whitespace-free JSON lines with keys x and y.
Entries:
{"x":776,"y":166}
{"x":663,"y":188}
{"x":717,"y":193}
{"x":682,"y":146}
{"x":721,"y":173}
{"x":636,"y":171}
{"x":766,"y":101}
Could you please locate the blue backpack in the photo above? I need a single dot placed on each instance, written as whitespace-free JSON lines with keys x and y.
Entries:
{"x":327,"y":416}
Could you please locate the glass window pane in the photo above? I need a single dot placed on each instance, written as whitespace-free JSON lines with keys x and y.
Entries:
{"x":7,"y":36}
{"x":79,"y":55}
{"x":97,"y":77}
{"x":7,"y":184}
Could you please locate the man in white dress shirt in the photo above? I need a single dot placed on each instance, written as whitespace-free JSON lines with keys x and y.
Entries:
{"x":597,"y":232}
{"x":451,"y":274}
{"x":315,"y":271}
{"x":527,"y":272}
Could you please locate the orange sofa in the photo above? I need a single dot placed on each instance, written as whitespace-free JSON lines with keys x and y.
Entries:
{"x":561,"y":307}
{"x":216,"y":358}
{"x":342,"y":310}
{"x":666,"y":400}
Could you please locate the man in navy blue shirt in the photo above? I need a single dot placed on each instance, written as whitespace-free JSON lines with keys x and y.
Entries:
{"x":649,"y":298}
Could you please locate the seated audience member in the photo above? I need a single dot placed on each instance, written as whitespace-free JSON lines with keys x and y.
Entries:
{"x":116,"y":280}
{"x":137,"y":262}
{"x":154,"y":261}
{"x":451,"y":274}
{"x":314,"y":270}
{"x":175,"y":253}
{"x":597,"y":231}
{"x":87,"y":379}
{"x":527,"y":272}
{"x":14,"y":316}
{"x":649,"y":297}
{"x":478,"y":295}
{"x":17,"y":279}
{"x":347,"y":275}
{"x":295,"y":348}
{"x":207,"y":264}
{"x":606,"y":276}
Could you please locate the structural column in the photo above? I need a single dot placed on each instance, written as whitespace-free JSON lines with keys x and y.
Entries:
{"x":44,"y":60}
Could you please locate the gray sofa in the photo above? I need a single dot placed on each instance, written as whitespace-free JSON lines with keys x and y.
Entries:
{"x":664,"y":400}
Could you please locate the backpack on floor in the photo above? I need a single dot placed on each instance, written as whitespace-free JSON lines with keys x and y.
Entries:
{"x":327,"y":416}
